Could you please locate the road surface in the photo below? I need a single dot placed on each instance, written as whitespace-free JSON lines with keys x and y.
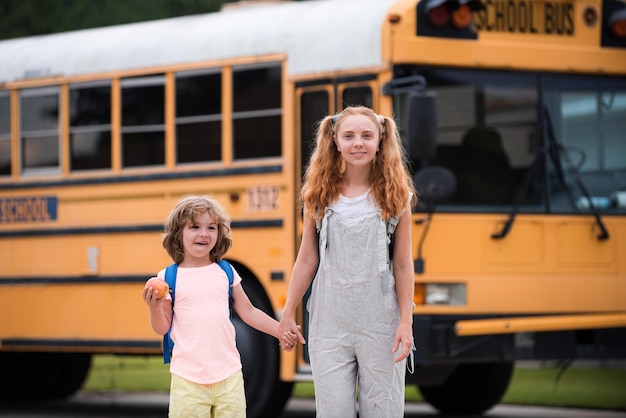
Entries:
{"x":154,"y":405}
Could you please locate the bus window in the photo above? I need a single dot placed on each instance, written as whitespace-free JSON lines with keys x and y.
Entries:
{"x":198,"y":117}
{"x":487,"y":134}
{"x":357,"y":96}
{"x":587,"y":118}
{"x":90,"y":126}
{"x":313,"y":107}
{"x":257,"y":112}
{"x":143,"y":121}
{"x":40,"y":148}
{"x":5,"y":134}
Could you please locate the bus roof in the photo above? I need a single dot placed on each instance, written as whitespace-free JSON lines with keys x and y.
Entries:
{"x":315,"y":35}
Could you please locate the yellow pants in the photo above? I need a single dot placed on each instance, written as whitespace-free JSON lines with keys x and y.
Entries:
{"x":225,"y":399}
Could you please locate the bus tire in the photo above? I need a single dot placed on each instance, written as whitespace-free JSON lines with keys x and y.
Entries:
{"x":37,"y":376}
{"x":266,"y":394}
{"x":470,"y":389}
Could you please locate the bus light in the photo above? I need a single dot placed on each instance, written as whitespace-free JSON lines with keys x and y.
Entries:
{"x":617,"y":22}
{"x":613,"y":24}
{"x":462,"y":17}
{"x":446,"y":294}
{"x":447,"y":18}
{"x":419,"y":294}
{"x":438,"y":12}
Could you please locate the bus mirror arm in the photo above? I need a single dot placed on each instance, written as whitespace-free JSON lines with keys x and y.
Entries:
{"x":532,"y":173}
{"x":556,"y":152}
{"x":404,"y":85}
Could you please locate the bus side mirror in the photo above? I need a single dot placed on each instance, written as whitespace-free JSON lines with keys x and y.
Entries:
{"x":434,"y":184}
{"x":421,"y":125}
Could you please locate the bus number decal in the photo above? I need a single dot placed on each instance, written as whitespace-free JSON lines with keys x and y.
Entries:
{"x":262,"y":198}
{"x":526,"y":17}
{"x":28,"y":209}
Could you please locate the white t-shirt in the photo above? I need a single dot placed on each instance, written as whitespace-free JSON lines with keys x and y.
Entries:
{"x":352,"y":207}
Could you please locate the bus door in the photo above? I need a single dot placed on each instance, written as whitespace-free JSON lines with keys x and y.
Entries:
{"x":314,"y":101}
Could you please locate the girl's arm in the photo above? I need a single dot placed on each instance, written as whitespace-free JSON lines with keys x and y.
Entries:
{"x":160,"y":311}
{"x":403,"y":273}
{"x":301,"y":276}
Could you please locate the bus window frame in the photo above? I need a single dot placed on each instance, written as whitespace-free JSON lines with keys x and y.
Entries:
{"x":214,"y":117}
{"x":130,"y":82}
{"x":6,"y":136}
{"x":46,"y":170}
{"x":242,"y":115}
{"x":89,"y":128}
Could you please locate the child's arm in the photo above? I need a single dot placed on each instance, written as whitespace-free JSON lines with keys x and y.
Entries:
{"x":160,"y":310}
{"x":252,"y":315}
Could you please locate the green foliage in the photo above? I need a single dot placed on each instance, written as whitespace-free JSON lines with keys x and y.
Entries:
{"x":594,"y":388}
{"x":37,"y":17}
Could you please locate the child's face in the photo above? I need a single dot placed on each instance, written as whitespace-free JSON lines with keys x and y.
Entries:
{"x":199,"y":238}
{"x":357,"y":139}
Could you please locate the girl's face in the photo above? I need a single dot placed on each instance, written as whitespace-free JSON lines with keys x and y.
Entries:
{"x":357,"y":139}
{"x":199,"y":238}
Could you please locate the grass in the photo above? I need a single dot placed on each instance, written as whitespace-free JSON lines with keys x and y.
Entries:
{"x":594,"y":388}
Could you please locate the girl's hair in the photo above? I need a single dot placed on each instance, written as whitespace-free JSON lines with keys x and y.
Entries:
{"x":185,"y":212}
{"x":390,"y":180}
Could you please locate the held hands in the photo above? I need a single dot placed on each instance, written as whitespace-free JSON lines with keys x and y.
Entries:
{"x":289,"y":333}
{"x":288,"y":340}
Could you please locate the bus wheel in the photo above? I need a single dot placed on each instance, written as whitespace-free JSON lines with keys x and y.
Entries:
{"x":470,"y":389}
{"x":265,"y":393}
{"x":35,"y":376}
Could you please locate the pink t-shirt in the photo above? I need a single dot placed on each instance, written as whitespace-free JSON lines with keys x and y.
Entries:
{"x":204,"y":336}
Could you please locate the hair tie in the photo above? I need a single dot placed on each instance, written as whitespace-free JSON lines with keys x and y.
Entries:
{"x":334,"y":119}
{"x":381,"y":120}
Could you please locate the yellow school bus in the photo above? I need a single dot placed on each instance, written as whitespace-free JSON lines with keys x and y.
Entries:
{"x":513,"y":113}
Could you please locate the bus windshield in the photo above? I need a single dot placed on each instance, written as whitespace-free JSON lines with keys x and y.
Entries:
{"x":493,"y":129}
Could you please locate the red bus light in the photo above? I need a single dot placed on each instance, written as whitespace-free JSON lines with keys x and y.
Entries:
{"x":462,"y":17}
{"x":447,"y":18}
{"x":617,"y":21}
{"x":438,"y":13}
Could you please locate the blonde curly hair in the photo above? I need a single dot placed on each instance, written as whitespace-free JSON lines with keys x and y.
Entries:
{"x":186,"y":211}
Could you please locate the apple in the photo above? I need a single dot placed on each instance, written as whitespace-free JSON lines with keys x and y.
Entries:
{"x":158,"y":285}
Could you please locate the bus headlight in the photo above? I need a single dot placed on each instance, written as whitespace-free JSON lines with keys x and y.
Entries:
{"x":443,"y":294}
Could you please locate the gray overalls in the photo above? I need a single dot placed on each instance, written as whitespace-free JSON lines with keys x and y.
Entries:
{"x":354,"y":317}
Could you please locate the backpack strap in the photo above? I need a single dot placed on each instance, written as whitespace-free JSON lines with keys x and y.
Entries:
{"x":392,"y":223}
{"x":228,"y":269}
{"x":170,"y":279}
{"x":168,"y":344}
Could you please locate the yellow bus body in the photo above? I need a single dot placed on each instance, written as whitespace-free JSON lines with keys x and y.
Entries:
{"x":503,"y":272}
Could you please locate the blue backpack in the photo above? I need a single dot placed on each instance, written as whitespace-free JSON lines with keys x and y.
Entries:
{"x":170,"y":278}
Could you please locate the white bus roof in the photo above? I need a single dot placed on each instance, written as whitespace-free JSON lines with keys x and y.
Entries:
{"x":315,"y":35}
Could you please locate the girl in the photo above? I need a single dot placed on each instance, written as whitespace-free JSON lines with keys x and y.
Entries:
{"x":356,"y":185}
{"x":207,"y":378}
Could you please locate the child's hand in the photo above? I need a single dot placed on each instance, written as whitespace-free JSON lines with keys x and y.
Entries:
{"x":154,"y":295}
{"x":289,"y":339}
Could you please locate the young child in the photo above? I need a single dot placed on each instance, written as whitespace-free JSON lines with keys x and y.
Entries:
{"x":207,"y":377}
{"x":361,"y":303}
